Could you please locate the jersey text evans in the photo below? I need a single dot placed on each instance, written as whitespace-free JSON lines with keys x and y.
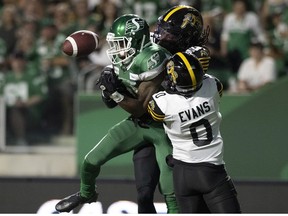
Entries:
{"x":194,"y":112}
{"x":192,"y":123}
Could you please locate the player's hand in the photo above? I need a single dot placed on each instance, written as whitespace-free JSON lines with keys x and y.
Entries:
{"x":170,"y":160}
{"x":108,"y":81}
{"x":110,"y":103}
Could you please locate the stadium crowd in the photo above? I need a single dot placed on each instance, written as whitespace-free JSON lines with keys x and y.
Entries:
{"x":38,"y":82}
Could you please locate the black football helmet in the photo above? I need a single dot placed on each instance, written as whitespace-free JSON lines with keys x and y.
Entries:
{"x":203,"y":55}
{"x":185,"y":73}
{"x":180,"y":28}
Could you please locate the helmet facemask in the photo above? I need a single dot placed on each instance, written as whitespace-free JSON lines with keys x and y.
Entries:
{"x":120,"y":50}
{"x":180,"y":28}
{"x":164,"y":38}
{"x":129,"y":34}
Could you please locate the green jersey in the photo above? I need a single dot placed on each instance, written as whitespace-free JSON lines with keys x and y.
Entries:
{"x":145,"y":66}
{"x":135,"y":59}
{"x":22,"y":88}
{"x":126,"y":136}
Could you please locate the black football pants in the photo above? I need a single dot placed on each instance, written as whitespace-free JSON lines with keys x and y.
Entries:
{"x":204,"y":182}
{"x":146,"y":176}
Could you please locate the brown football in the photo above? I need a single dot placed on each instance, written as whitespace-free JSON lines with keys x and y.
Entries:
{"x":80,"y":43}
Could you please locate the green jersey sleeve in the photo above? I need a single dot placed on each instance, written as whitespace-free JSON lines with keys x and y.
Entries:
{"x":149,"y":63}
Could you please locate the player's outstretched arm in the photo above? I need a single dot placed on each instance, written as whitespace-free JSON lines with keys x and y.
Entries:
{"x":114,"y":88}
{"x":137,"y":107}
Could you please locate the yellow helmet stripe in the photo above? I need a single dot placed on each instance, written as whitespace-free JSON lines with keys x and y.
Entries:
{"x":173,"y":11}
{"x":190,"y":69}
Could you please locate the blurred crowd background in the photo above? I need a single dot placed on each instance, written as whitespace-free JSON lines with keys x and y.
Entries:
{"x":248,"y":43}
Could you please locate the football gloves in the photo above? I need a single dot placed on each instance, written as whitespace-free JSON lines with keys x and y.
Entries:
{"x":112,"y":87}
{"x":109,"y":82}
{"x":110,"y":103}
{"x":69,"y":203}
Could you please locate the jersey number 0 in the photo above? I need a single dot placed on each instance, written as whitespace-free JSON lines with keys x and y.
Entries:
{"x":194,"y":133}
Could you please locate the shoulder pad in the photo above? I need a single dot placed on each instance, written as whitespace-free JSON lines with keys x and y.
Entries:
{"x":150,"y":62}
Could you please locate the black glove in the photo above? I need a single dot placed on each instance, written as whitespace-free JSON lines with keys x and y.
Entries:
{"x":109,"y":82}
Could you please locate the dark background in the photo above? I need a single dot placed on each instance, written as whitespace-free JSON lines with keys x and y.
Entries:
{"x":26,"y":195}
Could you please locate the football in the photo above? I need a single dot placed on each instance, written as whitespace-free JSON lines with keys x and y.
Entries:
{"x":80,"y":43}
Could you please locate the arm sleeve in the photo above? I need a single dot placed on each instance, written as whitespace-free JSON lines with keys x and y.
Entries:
{"x":219,"y":86}
{"x":155,"y":111}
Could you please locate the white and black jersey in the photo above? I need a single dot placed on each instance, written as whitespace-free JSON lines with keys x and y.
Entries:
{"x":192,"y":123}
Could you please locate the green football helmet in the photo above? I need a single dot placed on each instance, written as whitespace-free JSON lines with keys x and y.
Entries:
{"x":126,"y":38}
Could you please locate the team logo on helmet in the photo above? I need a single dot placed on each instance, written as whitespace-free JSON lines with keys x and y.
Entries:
{"x":190,"y":19}
{"x":171,"y":71}
{"x":134,"y":25}
{"x":204,"y":53}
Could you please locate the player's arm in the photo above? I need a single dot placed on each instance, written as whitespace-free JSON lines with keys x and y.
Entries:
{"x":219,"y":86}
{"x":111,"y":86}
{"x":150,"y":81}
{"x":137,"y":107}
{"x":154,"y":110}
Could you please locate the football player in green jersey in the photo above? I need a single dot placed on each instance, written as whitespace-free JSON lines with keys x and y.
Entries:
{"x":146,"y":169}
{"x":145,"y":165}
{"x":136,"y":73}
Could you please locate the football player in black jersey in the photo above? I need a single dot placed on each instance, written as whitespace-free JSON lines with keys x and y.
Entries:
{"x":179,"y":29}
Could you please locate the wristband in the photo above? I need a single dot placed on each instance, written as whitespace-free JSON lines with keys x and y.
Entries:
{"x":117,"y":97}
